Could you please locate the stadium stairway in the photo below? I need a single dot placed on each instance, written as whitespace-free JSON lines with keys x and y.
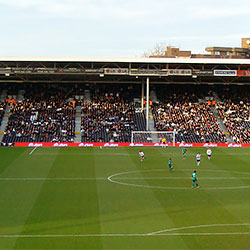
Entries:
{"x":216,"y":97}
{"x":4,"y":122}
{"x":20,"y":95}
{"x":219,"y":120}
{"x":87,"y":95}
{"x":223,"y":127}
{"x":153,"y":96}
{"x":151,"y":126}
{"x":3,"y":95}
{"x":78,"y":124}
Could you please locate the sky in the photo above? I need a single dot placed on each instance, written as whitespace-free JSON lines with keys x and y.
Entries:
{"x":119,"y":28}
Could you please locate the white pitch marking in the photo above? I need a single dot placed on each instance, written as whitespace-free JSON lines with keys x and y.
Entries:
{"x":33,"y":150}
{"x":127,"y":154}
{"x":68,"y":235}
{"x":198,"y":226}
{"x":48,"y":179}
{"x":115,"y":235}
{"x":127,"y":178}
{"x":202,"y":234}
{"x":118,"y":178}
{"x":112,"y":179}
{"x":157,"y":233}
{"x":180,"y":178}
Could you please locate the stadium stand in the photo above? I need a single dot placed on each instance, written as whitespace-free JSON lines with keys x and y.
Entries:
{"x":110,"y":116}
{"x":110,"y":113}
{"x":44,"y":115}
{"x":234,"y":110}
{"x":193,"y":122}
{"x":236,"y":118}
{"x":180,"y":110}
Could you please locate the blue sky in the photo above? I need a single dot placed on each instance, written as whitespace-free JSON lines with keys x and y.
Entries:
{"x":118,"y":27}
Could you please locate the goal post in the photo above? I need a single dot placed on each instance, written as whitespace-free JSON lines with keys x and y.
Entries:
{"x":152,"y":136}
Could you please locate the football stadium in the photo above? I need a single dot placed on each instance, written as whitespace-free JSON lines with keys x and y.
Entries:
{"x":125,"y":153}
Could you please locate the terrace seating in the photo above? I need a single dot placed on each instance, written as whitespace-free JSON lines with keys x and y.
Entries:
{"x":110,"y":117}
{"x":234,"y":110}
{"x":193,"y":122}
{"x":236,"y":118}
{"x":44,"y":116}
{"x":43,"y":121}
{"x":179,"y":110}
{"x":103,"y":121}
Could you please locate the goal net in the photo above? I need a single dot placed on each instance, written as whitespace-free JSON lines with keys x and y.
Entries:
{"x":152,"y":137}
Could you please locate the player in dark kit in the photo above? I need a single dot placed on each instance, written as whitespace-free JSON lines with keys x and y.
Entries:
{"x":184,"y":152}
{"x":194,"y":180}
{"x":170,"y":165}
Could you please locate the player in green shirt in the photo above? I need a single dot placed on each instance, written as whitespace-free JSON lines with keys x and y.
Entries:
{"x":194,"y":180}
{"x":170,"y":165}
{"x":184,"y":151}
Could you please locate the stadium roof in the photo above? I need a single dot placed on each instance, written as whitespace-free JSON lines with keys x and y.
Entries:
{"x":125,"y":60}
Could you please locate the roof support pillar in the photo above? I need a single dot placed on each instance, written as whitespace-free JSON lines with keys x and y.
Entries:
{"x":142,"y":96}
{"x":147,"y":102}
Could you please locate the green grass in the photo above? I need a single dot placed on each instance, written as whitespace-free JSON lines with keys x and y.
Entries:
{"x":65,"y":192}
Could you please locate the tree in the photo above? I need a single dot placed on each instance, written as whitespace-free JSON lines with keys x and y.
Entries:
{"x":158,"y":50}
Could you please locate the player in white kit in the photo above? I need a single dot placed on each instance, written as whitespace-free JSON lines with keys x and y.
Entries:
{"x":141,"y":155}
{"x":209,"y":153}
{"x":198,"y":159}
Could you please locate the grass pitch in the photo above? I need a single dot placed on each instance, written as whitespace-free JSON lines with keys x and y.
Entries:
{"x":92,"y":198}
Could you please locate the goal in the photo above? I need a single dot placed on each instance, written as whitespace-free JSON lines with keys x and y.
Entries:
{"x":152,"y":137}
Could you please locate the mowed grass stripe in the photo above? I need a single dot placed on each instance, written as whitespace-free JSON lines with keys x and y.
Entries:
{"x":173,"y":203}
{"x":122,"y":209}
{"x":8,"y":155}
{"x":98,"y":207}
{"x":65,"y":208}
{"x":222,"y":200}
{"x":159,"y":211}
{"x":235,"y":202}
{"x":18,"y":199}
{"x":240,"y":162}
{"x":198,"y":203}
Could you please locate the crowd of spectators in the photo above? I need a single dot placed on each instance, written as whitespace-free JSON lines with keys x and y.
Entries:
{"x":192,"y":122}
{"x":44,"y":115}
{"x":110,"y":116}
{"x":47,"y":113}
{"x":234,"y":110}
{"x":180,"y":111}
{"x":236,"y":118}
